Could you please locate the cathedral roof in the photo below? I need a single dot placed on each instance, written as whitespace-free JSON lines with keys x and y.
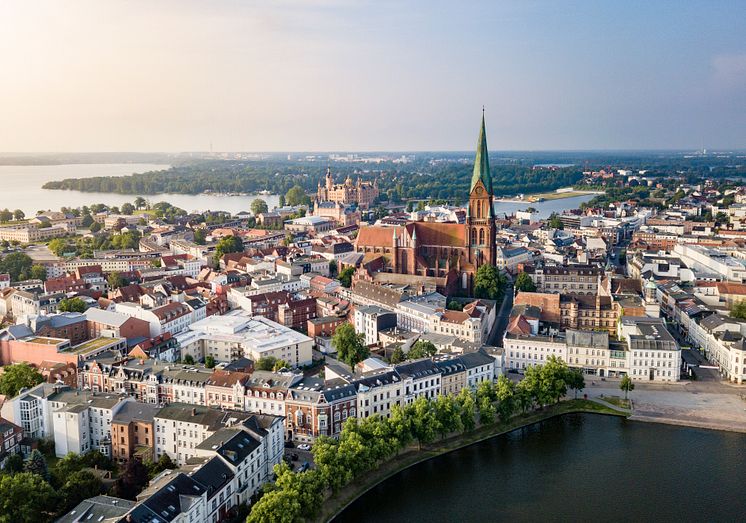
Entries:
{"x":375,"y":235}
{"x":482,"y":162}
{"x":443,"y":234}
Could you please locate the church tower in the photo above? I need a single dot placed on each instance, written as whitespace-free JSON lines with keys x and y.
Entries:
{"x":480,"y":214}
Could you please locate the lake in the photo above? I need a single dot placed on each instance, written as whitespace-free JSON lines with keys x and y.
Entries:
{"x":21,"y":189}
{"x":578,"y":467}
{"x":545,"y":208}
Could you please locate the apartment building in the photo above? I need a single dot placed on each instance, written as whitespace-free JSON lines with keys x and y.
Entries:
{"x":266,"y":391}
{"x":173,"y":317}
{"x":705,"y":260}
{"x":370,"y":320}
{"x":252,"y":337}
{"x":81,"y":421}
{"x":567,"y":279}
{"x":428,"y":314}
{"x":133,"y":431}
{"x":181,"y":427}
{"x":314,"y":409}
{"x":654,"y":355}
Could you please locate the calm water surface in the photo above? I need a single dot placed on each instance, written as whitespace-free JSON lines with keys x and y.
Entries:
{"x":573,"y":468}
{"x":20,"y":188}
{"x":545,"y":208}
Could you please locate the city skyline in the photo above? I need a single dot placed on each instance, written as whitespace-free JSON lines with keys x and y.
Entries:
{"x":337,"y":75}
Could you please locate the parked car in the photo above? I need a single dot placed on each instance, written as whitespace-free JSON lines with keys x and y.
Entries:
{"x":304,"y":446}
{"x":306,"y":465}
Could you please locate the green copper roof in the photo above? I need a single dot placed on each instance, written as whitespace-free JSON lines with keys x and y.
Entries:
{"x":482,"y":162}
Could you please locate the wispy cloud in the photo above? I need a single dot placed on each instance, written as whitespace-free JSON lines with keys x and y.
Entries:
{"x":729,"y":72}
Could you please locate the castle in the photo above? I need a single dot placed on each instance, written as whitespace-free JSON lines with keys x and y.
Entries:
{"x":453,"y":250}
{"x":361,"y":193}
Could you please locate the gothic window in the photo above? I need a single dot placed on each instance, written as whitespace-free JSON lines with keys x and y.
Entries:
{"x":481,"y":236}
{"x":479,"y":209}
{"x":473,"y":236}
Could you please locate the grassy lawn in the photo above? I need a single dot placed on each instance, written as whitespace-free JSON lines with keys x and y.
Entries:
{"x":335,"y":503}
{"x":618,"y":401}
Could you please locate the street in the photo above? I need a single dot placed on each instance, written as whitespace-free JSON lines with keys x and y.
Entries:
{"x":501,"y":318}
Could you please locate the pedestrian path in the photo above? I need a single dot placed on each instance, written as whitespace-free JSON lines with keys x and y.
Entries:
{"x":610,"y":405}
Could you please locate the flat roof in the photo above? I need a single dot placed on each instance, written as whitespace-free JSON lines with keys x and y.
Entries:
{"x":94,"y":344}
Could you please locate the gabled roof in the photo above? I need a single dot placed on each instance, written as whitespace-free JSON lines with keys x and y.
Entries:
{"x":98,"y":509}
{"x":213,"y":476}
{"x":476,"y":359}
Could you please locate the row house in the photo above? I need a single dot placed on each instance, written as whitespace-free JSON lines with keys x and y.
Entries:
{"x":266,"y":391}
{"x":133,"y":431}
{"x":230,"y":467}
{"x":149,"y":381}
{"x":315,"y":409}
{"x":226,"y":389}
{"x":379,"y":393}
{"x":250,"y":450}
{"x":81,"y":420}
{"x":34,"y":301}
{"x":647,"y":353}
{"x":181,"y":427}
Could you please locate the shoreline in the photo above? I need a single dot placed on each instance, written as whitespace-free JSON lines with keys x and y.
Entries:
{"x":346,"y":496}
{"x":546,"y":197}
{"x":341,"y":500}
{"x":694,"y":424}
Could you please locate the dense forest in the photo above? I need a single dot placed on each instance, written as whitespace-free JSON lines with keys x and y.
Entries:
{"x":444,"y":176}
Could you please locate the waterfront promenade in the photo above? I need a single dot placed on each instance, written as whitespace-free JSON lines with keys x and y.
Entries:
{"x":710,"y":404}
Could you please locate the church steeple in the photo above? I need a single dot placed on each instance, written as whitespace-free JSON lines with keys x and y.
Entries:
{"x":482,"y":161}
{"x":480,"y":212}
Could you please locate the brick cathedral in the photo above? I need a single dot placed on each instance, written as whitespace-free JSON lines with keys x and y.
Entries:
{"x":442,"y":249}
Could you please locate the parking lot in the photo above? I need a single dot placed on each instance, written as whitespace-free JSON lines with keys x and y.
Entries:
{"x":298,"y":457}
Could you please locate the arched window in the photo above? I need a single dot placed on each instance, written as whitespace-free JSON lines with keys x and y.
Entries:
{"x":479,"y":209}
{"x":473,"y":236}
{"x":481,"y":236}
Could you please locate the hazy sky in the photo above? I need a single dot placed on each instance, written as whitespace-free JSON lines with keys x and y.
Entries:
{"x":282,"y":75}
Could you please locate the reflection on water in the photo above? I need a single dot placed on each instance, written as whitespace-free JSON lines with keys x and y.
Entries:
{"x":571,"y":468}
{"x":22,"y":189}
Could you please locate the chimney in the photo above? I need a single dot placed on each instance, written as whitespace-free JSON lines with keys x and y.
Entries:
{"x":194,"y":411}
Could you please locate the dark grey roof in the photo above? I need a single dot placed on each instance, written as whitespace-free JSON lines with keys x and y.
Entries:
{"x":377,"y":380}
{"x":339,"y":392}
{"x":239,"y":365}
{"x":591,"y":339}
{"x":212,"y":418}
{"x":233,"y":444}
{"x":476,"y":359}
{"x":450,"y":366}
{"x":98,"y":509}
{"x":14,"y":332}
{"x":165,"y":504}
{"x":134,"y":410}
{"x":417,"y":368}
{"x":213,"y":476}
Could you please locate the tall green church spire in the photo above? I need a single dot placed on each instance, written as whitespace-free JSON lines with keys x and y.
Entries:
{"x":482,"y":161}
